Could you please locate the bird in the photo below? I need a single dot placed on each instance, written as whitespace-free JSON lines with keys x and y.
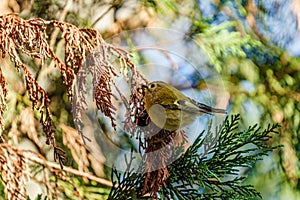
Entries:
{"x":169,"y":109}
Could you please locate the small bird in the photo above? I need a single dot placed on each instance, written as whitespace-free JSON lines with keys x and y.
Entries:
{"x":170,"y":109}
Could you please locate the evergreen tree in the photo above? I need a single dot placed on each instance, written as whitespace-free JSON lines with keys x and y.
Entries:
{"x":244,"y":41}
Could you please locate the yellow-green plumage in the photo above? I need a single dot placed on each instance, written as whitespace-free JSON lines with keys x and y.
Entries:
{"x":170,"y":109}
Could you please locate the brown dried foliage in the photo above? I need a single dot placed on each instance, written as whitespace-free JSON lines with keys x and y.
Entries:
{"x":136,"y":116}
{"x":84,"y":156}
{"x":15,"y":172}
{"x":28,"y":37}
{"x":3,"y":94}
{"x":158,"y":155}
{"x":99,"y":65}
{"x":19,"y":37}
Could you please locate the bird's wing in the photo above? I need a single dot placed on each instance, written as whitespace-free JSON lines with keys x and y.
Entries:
{"x":182,"y":105}
{"x":192,"y":106}
{"x":171,"y":106}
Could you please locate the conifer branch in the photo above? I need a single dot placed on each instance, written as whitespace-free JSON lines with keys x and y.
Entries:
{"x":209,"y":169}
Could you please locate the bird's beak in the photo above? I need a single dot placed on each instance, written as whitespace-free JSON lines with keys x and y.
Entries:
{"x":144,"y":87}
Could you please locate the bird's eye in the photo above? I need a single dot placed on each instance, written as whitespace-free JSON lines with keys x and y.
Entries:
{"x":152,"y":85}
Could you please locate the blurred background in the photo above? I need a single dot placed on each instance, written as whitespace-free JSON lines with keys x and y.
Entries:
{"x":246,"y":57}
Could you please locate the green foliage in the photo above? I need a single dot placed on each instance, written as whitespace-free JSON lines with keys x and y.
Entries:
{"x":258,"y":59}
{"x":210,"y":169}
{"x":221,"y":42}
{"x":44,"y":9}
{"x":240,"y":54}
{"x":2,"y":187}
{"x":127,"y":185}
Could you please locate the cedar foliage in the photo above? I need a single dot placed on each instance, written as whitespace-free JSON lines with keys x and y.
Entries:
{"x":209,"y":169}
{"x":20,"y":38}
{"x":28,"y":37}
